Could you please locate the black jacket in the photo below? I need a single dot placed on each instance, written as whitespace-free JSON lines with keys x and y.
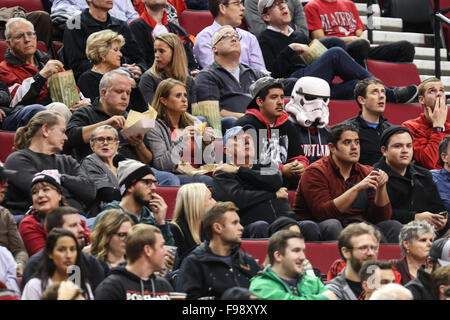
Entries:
{"x":279,"y":58}
{"x":86,"y":116}
{"x":124,"y":285}
{"x":80,"y":27}
{"x":95,"y":270}
{"x":369,"y":139}
{"x":413,"y":193}
{"x":253,"y":191}
{"x":142,"y":32}
{"x":4,"y":98}
{"x":204,"y":274}
{"x":420,"y":287}
{"x":183,"y":240}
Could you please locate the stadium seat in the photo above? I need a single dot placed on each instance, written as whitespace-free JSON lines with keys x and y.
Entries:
{"x":6,"y":143}
{"x":256,"y":248}
{"x":28,"y":5}
{"x":170,"y":196}
{"x":341,"y":110}
{"x":394,"y":74}
{"x":194,"y":21}
{"x":389,"y":252}
{"x":322,"y":254}
{"x":3,"y":48}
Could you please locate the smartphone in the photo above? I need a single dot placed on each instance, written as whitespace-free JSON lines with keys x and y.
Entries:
{"x":443,"y":213}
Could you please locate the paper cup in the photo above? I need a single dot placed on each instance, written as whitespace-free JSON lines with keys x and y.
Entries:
{"x":177,"y":295}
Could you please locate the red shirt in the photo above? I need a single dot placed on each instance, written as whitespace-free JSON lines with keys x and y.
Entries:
{"x":426,"y":141}
{"x":338,"y":19}
{"x":322,"y":182}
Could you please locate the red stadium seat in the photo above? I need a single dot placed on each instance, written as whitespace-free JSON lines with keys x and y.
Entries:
{"x":194,"y":21}
{"x":389,"y":252}
{"x":394,"y":74}
{"x":6,"y":143}
{"x":170,"y":196}
{"x":28,"y":5}
{"x":322,"y":254}
{"x":3,"y":48}
{"x":341,"y":110}
{"x":256,"y":248}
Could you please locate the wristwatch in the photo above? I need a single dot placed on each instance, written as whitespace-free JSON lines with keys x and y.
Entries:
{"x":438,"y":129}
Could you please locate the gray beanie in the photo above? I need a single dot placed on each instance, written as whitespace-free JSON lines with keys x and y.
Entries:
{"x":130,"y":171}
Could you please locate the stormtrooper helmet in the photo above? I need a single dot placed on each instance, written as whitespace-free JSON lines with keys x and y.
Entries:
{"x":309,"y":102}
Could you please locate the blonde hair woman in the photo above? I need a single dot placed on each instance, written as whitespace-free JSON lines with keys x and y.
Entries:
{"x":193,"y":200}
{"x":103,"y":50}
{"x":170,"y":62}
{"x":172,"y":139}
{"x":109,"y":238}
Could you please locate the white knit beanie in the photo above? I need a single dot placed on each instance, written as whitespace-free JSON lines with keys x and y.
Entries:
{"x":130,"y":171}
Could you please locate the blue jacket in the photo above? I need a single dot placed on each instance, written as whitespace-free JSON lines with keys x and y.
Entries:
{"x":442,"y":180}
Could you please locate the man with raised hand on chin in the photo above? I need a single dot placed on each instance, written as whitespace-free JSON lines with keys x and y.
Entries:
{"x":431,"y":126}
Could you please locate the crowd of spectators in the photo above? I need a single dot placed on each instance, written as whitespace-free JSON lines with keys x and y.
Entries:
{"x":80,"y":214}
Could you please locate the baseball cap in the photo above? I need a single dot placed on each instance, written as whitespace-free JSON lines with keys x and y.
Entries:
{"x":5,"y":173}
{"x":259,"y":85}
{"x":440,"y":250}
{"x":262,"y":4}
{"x":234,"y":131}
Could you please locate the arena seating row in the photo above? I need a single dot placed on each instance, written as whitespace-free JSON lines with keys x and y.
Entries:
{"x":320,"y":254}
{"x":28,"y":5}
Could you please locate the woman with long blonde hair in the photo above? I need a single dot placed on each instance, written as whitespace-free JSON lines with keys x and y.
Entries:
{"x":109,"y":238}
{"x":193,"y":200}
{"x":177,"y":134}
{"x":170,"y":62}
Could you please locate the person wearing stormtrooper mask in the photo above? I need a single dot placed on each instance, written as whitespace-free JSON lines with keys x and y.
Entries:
{"x":370,"y":95}
{"x":308,"y":111}
{"x":275,"y":133}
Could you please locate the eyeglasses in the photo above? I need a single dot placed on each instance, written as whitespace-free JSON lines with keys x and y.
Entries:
{"x":366,"y":248}
{"x":103,"y":139}
{"x":29,"y":34}
{"x":275,"y":4}
{"x":227,"y":35}
{"x":149,"y":182}
{"x":235,"y":3}
{"x":121,"y":235}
